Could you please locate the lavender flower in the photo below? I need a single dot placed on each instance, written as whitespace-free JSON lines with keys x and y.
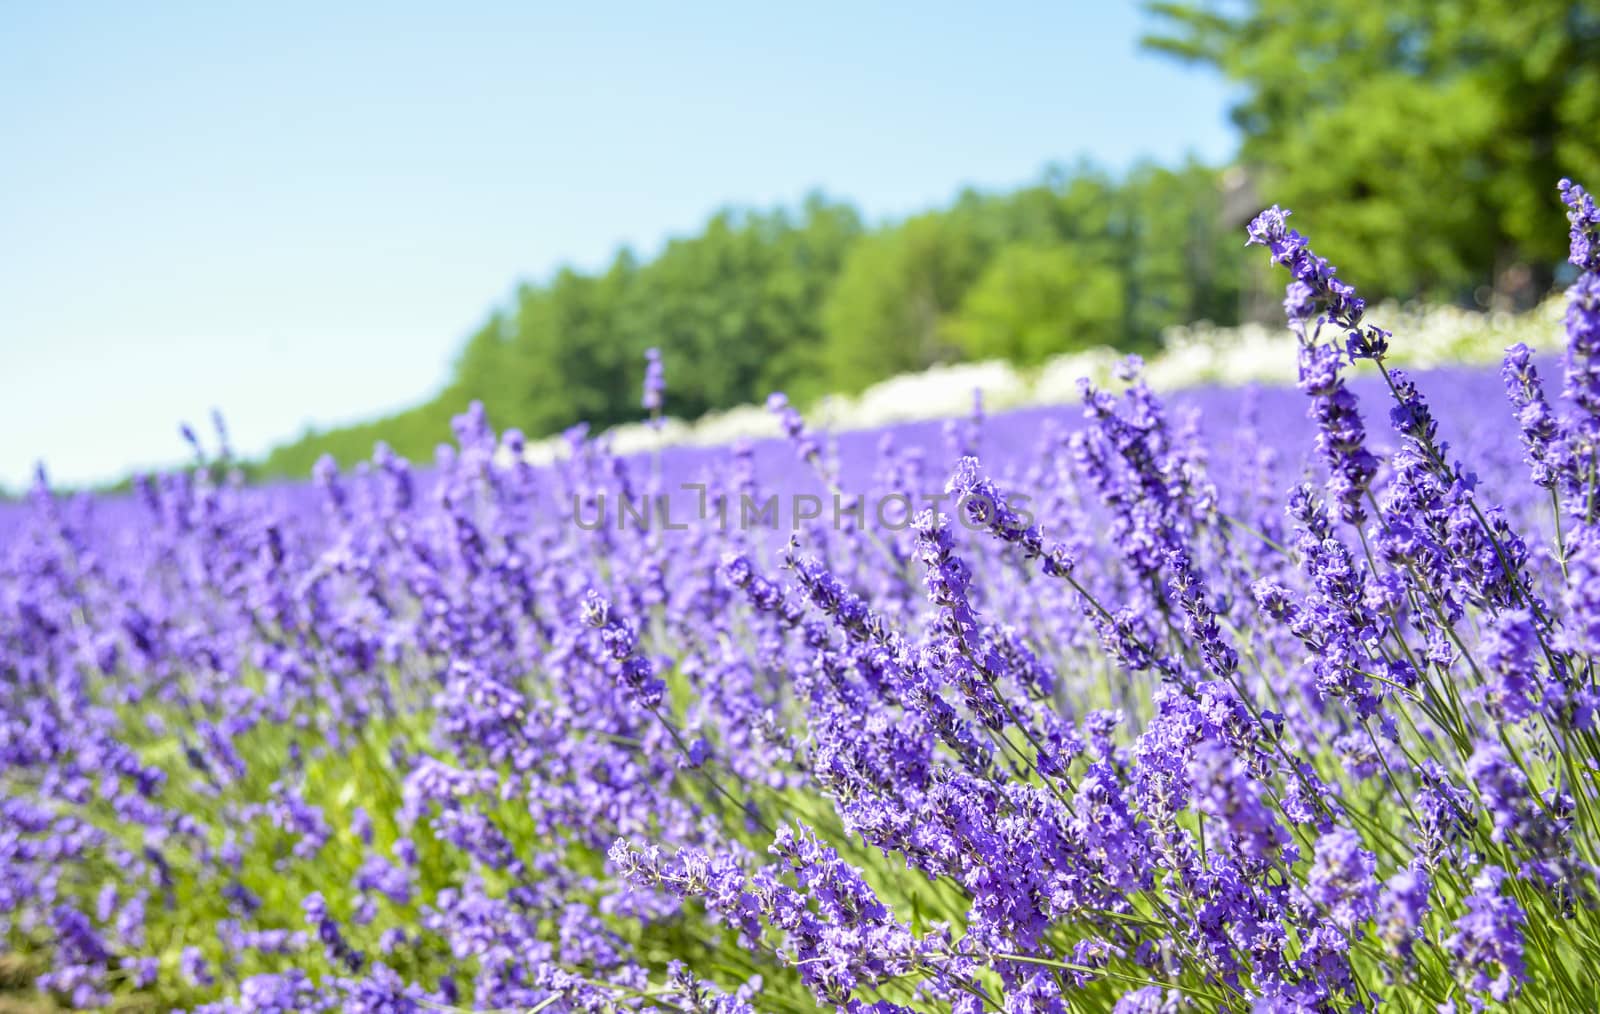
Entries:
{"x":984,"y":505}
{"x":1487,"y":942}
{"x":634,"y":672}
{"x":1543,"y":434}
{"x":655,"y":385}
{"x":794,"y":427}
{"x":1341,"y":435}
{"x":1584,"y":217}
{"x":1316,"y":291}
{"x":1402,"y":906}
{"x":338,"y":951}
{"x":1582,"y":359}
{"x":1342,"y":879}
{"x":193,"y":966}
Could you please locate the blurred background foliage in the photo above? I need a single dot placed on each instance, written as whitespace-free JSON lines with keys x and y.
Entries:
{"x":1445,"y":119}
{"x":1423,"y":136}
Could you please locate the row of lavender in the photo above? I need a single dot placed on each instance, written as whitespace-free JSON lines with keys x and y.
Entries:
{"x":1149,"y":707}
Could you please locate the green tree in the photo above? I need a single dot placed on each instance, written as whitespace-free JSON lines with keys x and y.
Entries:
{"x":806,"y":260}
{"x":568,"y":357}
{"x":483,"y":366}
{"x":735,"y":309}
{"x":1181,"y":255}
{"x":1035,"y":301}
{"x":1445,"y":119}
{"x":886,"y":312}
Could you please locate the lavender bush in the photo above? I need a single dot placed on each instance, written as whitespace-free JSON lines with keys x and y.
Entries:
{"x":1250,"y":701}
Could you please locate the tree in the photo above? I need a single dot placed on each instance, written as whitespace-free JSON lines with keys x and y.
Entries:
{"x":571,"y":362}
{"x":806,"y":260}
{"x":483,"y":365}
{"x":886,"y":311}
{"x":1034,"y":301}
{"x":1181,"y":255}
{"x":1445,"y":119}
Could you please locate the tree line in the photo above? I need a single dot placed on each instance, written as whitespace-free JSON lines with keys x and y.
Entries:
{"x":810,"y":300}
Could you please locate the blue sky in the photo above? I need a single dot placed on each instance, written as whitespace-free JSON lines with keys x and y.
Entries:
{"x":296,"y":214}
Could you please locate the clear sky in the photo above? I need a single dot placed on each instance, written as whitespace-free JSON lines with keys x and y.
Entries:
{"x":296,"y":214}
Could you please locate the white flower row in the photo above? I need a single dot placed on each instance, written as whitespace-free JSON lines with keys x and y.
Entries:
{"x":1193,"y":356}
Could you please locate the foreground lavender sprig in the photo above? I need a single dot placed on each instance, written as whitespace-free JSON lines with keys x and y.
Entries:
{"x":984,"y":505}
{"x":1543,"y":434}
{"x":1584,"y":217}
{"x":1317,"y":296}
{"x":1582,"y":359}
{"x":635,"y":672}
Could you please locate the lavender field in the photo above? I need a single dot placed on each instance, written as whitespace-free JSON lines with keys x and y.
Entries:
{"x":1235,"y":700}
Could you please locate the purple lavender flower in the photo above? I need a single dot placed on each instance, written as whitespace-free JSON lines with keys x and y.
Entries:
{"x":794,"y":427}
{"x":290,"y":992}
{"x":635,"y":672}
{"x":1543,"y":434}
{"x":1316,"y":285}
{"x":984,"y":505}
{"x":193,"y":966}
{"x":1341,"y":435}
{"x":1487,"y":942}
{"x":1584,"y":217}
{"x":381,"y":991}
{"x":1582,"y":359}
{"x":1316,"y":291}
{"x":655,"y":384}
{"x":1581,"y":598}
{"x":1342,"y":879}
{"x":1535,"y":828}
{"x":1227,"y":791}
{"x":338,"y":951}
{"x":1512,"y":655}
{"x":1402,"y":906}
{"x":959,"y":650}
{"x":1149,"y":1000}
